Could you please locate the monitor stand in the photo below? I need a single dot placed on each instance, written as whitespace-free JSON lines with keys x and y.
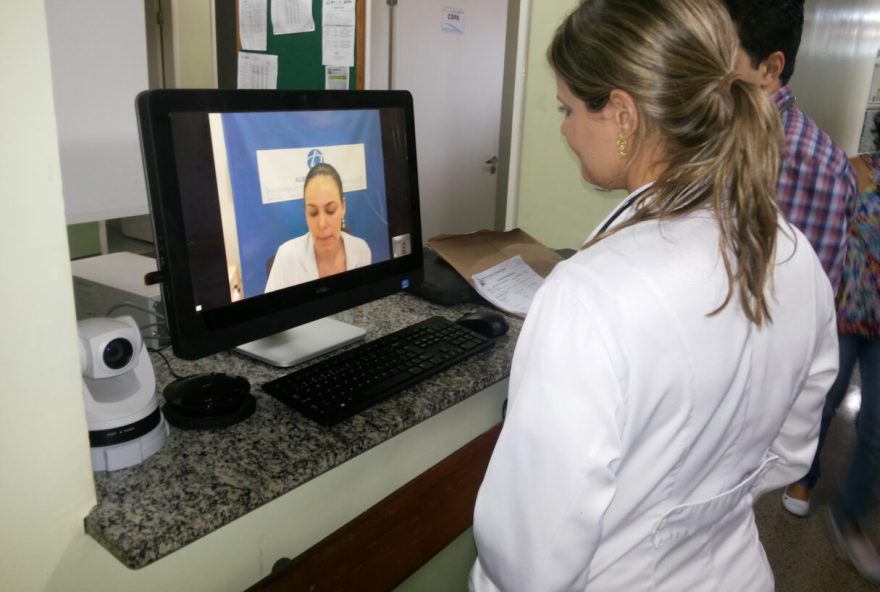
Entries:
{"x":302,"y":343}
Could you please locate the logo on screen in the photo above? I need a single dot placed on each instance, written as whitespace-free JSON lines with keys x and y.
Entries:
{"x":314,"y":157}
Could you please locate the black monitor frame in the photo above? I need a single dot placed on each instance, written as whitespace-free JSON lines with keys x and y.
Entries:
{"x":195,"y":334}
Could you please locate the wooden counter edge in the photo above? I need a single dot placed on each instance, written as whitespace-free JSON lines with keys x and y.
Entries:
{"x":380,"y":548}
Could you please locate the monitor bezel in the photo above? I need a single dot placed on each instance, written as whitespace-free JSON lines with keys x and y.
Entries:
{"x":198,"y":334}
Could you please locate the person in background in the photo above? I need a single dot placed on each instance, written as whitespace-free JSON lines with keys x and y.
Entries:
{"x":327,"y":248}
{"x":675,"y":368}
{"x":817,"y":185}
{"x":858,"y":326}
{"x":816,"y":182}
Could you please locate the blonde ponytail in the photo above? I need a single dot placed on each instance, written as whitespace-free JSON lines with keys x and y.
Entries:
{"x":722,"y":135}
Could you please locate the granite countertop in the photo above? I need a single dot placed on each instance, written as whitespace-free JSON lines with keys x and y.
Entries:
{"x":201,"y":480}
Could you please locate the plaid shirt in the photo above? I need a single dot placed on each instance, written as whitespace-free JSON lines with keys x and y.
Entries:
{"x":817,"y":185}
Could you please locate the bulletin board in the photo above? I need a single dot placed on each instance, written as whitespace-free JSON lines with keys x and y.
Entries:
{"x":299,"y":54}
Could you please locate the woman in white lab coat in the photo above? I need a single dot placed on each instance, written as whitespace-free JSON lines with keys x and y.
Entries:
{"x":674,"y":368}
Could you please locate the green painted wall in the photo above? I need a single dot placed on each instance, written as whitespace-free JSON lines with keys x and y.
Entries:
{"x":555,"y":205}
{"x":83,"y":240}
{"x":447,"y":571}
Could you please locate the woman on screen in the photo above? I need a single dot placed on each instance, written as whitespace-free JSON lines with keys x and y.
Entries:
{"x":327,"y":248}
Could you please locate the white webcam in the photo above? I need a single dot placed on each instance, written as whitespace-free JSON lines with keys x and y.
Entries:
{"x":119,"y":388}
{"x":107,"y":346}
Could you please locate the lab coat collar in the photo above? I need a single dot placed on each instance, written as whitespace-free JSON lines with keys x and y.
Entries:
{"x":618,"y":211}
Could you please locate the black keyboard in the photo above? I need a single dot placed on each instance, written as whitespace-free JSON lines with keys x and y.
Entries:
{"x":340,"y":386}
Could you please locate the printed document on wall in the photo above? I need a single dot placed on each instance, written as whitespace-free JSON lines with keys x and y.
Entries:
{"x":336,"y":78}
{"x":338,"y":21}
{"x":252,"y":24}
{"x":292,"y":16}
{"x":256,"y":70}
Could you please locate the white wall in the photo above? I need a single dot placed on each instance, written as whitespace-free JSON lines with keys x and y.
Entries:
{"x":99,"y":63}
{"x":47,"y":481}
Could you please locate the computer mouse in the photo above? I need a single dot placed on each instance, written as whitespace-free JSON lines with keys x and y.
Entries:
{"x":209,"y":400}
{"x":485,"y":322}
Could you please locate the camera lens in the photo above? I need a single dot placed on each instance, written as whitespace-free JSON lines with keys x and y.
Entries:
{"x":118,"y":353}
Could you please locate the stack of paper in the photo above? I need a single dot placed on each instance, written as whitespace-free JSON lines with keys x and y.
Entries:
{"x":510,"y":285}
{"x":505,"y":268}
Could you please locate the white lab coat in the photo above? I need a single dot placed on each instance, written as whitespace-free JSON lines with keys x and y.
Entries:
{"x":640,"y":430}
{"x":295,"y":261}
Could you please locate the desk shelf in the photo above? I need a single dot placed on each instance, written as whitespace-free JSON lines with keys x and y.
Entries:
{"x":202,"y":480}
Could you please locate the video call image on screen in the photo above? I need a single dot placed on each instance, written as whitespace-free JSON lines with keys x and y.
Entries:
{"x":253,"y":226}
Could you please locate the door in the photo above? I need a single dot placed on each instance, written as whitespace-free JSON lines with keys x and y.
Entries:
{"x":450,"y":55}
{"x":835,"y":63}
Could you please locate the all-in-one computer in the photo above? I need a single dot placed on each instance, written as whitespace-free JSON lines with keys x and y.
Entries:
{"x":236,"y":237}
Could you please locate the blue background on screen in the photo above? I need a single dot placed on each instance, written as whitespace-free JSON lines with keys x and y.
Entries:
{"x":262,"y":228}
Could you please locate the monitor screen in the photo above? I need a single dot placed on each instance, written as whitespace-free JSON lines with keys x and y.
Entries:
{"x":272,"y":209}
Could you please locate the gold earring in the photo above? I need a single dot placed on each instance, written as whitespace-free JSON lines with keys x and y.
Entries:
{"x":622,"y":145}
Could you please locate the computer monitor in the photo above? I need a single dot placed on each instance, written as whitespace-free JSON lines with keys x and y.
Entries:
{"x":246,"y":256}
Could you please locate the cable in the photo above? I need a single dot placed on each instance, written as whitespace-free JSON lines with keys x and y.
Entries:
{"x":167,"y":363}
{"x":134,"y":306}
{"x":161,"y":333}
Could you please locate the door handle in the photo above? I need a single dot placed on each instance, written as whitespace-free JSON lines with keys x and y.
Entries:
{"x":493,"y":164}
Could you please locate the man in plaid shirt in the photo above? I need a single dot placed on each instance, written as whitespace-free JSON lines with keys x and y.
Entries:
{"x":817,"y":185}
